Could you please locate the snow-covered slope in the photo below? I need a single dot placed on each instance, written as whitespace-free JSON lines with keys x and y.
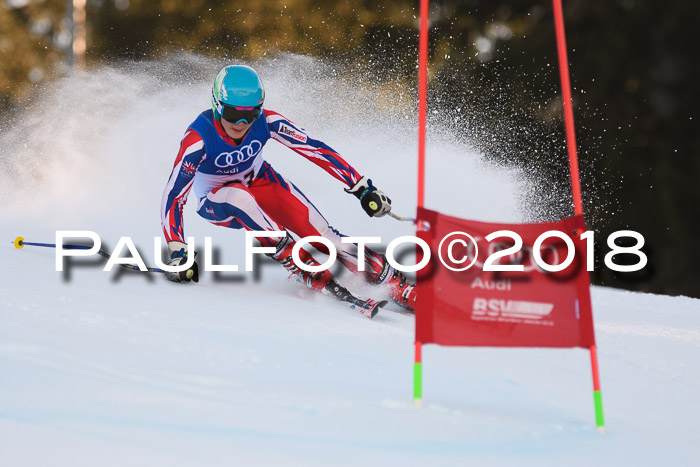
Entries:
{"x":125,"y":368}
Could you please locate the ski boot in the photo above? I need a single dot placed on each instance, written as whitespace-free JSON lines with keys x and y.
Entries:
{"x":313,"y":280}
{"x":401,"y":291}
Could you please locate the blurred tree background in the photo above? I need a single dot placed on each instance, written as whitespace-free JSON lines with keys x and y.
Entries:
{"x":493,"y":79}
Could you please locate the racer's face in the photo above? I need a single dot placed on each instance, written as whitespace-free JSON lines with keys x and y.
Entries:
{"x":235,"y":130}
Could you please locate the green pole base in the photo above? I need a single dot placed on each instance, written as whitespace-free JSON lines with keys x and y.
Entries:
{"x":417,"y":383}
{"x":599,"y":417}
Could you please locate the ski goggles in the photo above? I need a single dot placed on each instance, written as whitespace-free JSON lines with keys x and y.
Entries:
{"x":233,"y":114}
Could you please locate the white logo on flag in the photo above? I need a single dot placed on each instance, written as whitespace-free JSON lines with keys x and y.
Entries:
{"x":496,"y":309}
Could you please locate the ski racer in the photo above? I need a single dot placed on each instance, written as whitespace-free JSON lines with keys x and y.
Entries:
{"x":220,"y":158}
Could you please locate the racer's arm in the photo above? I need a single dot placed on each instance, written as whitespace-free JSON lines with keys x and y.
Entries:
{"x":188,"y":158}
{"x":374,"y":202}
{"x":300,"y":141}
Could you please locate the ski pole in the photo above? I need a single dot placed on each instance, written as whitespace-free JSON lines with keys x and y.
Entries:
{"x":402,"y":219}
{"x":20,"y":243}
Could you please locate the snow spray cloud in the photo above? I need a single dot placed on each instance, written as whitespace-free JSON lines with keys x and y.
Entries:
{"x":91,"y":138}
{"x":88,"y":140}
{"x":93,"y":150}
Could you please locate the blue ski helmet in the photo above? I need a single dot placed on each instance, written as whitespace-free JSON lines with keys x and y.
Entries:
{"x":236,"y":86}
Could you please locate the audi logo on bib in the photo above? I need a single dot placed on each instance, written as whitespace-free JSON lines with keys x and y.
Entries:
{"x":247,"y":152}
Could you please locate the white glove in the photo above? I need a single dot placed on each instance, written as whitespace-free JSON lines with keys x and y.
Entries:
{"x":373,"y":201}
{"x":178,"y":256}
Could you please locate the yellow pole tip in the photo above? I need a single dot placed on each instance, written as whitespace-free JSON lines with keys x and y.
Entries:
{"x":19,"y":242}
{"x":418,"y":403}
{"x":601,"y":429}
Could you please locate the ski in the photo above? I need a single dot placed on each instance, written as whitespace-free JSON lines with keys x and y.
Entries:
{"x":405,"y":309}
{"x":366,"y":306}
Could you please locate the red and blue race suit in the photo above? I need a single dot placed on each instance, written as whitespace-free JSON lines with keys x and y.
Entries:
{"x":235,"y":187}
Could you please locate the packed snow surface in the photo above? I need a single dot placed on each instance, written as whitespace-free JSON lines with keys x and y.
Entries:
{"x":125,"y":368}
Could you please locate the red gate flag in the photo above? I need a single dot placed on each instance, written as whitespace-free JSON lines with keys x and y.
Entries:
{"x":529,"y":308}
{"x":474,"y":307}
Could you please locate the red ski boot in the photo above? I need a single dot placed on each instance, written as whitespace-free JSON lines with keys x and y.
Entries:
{"x":401,"y":291}
{"x":313,"y":280}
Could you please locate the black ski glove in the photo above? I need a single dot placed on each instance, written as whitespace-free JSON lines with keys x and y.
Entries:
{"x":373,"y":201}
{"x":178,"y":256}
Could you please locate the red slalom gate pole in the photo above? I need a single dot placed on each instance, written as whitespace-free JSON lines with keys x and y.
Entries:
{"x":422,"y":96}
{"x":418,"y":376}
{"x":597,"y":395}
{"x":422,"y":112}
{"x":575,"y":177}
{"x":568,"y":106}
